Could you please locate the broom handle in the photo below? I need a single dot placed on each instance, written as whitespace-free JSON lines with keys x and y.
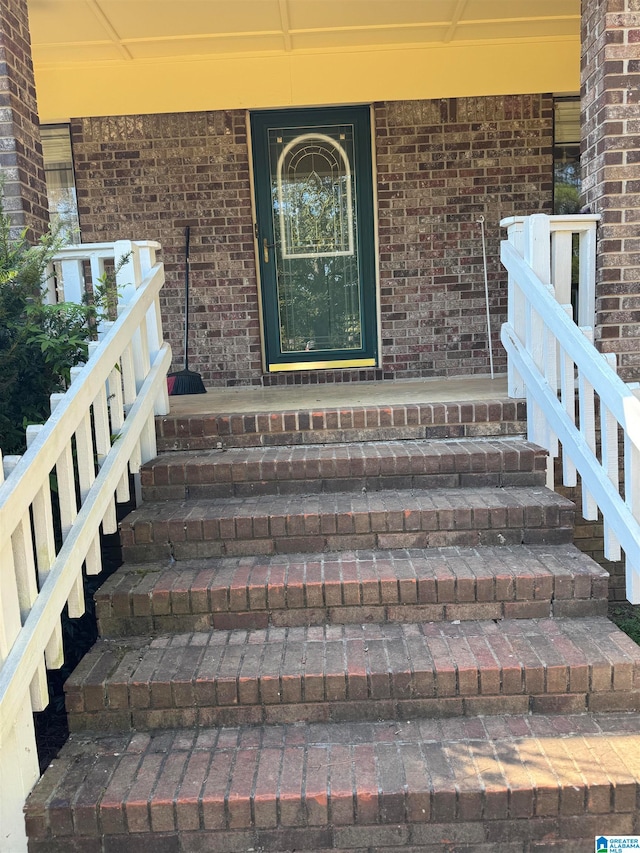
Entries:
{"x":187,"y":234}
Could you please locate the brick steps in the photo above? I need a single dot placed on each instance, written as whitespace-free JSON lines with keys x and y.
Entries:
{"x":268,"y":524}
{"x":505,"y":783}
{"x":367,"y":615}
{"x":353,"y":587}
{"x":322,"y":425}
{"x":345,"y":467}
{"x":396,"y":671}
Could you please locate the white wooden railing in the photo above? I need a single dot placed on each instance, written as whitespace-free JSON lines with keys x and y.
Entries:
{"x":99,"y":433}
{"x":568,"y":383}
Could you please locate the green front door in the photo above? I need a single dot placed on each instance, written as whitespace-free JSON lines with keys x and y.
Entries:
{"x":314,"y":203}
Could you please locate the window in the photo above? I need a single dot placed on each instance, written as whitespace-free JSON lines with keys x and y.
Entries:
{"x":566,"y":156}
{"x":61,"y":190}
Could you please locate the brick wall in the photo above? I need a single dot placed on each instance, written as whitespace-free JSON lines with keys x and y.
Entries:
{"x":441,"y":165}
{"x":20,"y":149}
{"x":148,"y":177}
{"x":611,"y":169}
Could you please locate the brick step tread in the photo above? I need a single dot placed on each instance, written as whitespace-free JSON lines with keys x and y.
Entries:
{"x":359,"y":586}
{"x":338,"y":466}
{"x":310,"y":523}
{"x":345,"y":786}
{"x":329,"y":672}
{"x":330,"y":424}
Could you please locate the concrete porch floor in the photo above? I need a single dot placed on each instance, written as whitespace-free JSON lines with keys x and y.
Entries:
{"x":337,"y":395}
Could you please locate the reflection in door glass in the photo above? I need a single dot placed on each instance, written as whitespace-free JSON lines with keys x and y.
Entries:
{"x":313,"y":197}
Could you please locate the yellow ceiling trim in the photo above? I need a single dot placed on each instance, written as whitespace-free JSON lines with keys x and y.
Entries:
{"x":569,"y":41}
{"x":293,"y":31}
{"x":306,"y":79}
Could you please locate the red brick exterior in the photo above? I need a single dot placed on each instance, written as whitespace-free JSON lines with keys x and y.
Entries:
{"x":147,"y":177}
{"x":440,"y":166}
{"x":25,"y":196}
{"x":611,"y":170}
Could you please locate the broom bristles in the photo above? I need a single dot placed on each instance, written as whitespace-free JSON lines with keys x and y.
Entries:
{"x":185,"y":382}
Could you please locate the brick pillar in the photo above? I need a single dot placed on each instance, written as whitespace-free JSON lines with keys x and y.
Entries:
{"x":20,"y":147}
{"x":610,"y":96}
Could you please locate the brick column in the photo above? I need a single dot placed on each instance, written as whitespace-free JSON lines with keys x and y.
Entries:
{"x":610,"y":97}
{"x":20,"y":147}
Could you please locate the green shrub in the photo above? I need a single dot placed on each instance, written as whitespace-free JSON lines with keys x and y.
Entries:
{"x":39,"y":343}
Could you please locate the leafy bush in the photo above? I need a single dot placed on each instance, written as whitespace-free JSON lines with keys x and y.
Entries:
{"x":39,"y":343}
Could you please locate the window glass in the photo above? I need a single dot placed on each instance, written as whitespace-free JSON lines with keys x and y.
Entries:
{"x":61,"y":190}
{"x":566,"y":156}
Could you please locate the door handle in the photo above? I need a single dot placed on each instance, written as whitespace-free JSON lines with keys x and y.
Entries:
{"x":265,"y":249}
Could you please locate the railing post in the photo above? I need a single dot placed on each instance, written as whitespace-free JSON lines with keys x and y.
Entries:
{"x":537,"y":254}
{"x":587,"y":277}
{"x":515,"y":307}
{"x":147,"y":255}
{"x":632,"y":500}
{"x":19,"y":769}
{"x":129,"y":275}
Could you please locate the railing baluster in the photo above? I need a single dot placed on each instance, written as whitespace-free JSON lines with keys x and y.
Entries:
{"x":130,"y":391}
{"x":86,"y":477}
{"x":50,"y":292}
{"x":587,"y":417}
{"x":103,"y":444}
{"x":550,"y":348}
{"x":141,"y":364}
{"x":568,"y":397}
{"x":68,"y":505}
{"x":610,"y":463}
{"x":72,"y":280}
{"x":116,"y":412}
{"x":97,"y":267}
{"x":561,"y":257}
{"x":43,"y":533}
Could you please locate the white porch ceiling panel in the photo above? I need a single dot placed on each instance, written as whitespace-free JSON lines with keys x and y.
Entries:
{"x":127,"y":37}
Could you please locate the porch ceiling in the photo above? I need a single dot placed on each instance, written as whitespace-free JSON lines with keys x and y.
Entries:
{"x":122,"y":56}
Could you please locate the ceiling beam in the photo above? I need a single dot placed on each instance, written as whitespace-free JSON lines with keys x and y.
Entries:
{"x":284,"y":23}
{"x":455,"y":20}
{"x":107,"y":26}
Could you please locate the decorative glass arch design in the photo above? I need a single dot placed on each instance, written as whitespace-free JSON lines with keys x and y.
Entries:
{"x":315,"y":198}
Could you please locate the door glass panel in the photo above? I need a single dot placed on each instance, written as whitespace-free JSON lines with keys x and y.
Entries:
{"x":317,"y":268}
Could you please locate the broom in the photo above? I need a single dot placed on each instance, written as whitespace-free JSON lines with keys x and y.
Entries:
{"x":185,"y":381}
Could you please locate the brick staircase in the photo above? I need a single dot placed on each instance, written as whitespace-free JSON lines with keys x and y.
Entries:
{"x":317,"y":645}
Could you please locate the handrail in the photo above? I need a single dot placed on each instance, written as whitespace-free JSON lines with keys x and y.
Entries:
{"x":552,"y":356}
{"x":97,"y":436}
